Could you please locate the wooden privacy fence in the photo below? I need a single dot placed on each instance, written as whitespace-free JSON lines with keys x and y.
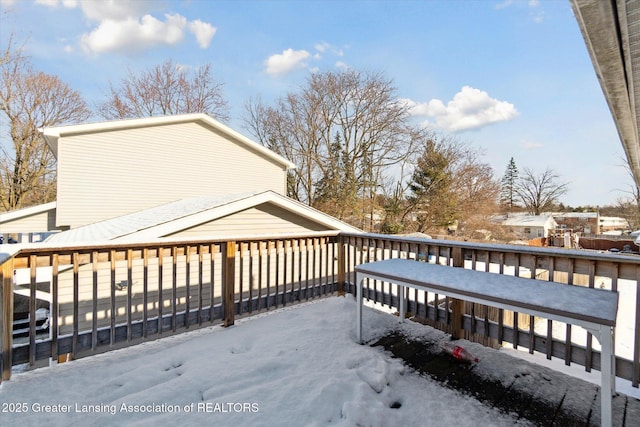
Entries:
{"x":491,"y":326}
{"x":115,"y":295}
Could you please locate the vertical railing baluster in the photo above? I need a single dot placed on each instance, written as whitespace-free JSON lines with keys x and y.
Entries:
{"x":112,"y":295}
{"x":53,"y":319}
{"x":76,"y":312}
{"x":241,"y":273}
{"x":229,"y":250}
{"x":212,"y":287}
{"x":260,"y":274}
{"x":145,"y":291}
{"x":284,"y":272}
{"x":33,"y":268}
{"x":307,"y":254}
{"x":549,"y":347}
{"x":589,"y":349}
{"x":516,"y":327}
{"x":293,"y":270}
{"x":160,"y":284}
{"x":200,"y":283}
{"x":250,"y":246}
{"x":568,"y":347}
{"x":187,"y":285}
{"x":174,"y":291}
{"x":635,"y":377}
{"x":94,"y":308}
{"x":299,"y":242}
{"x":474,"y":323}
{"x":500,"y":311}
{"x":129,"y":294}
{"x":277,"y":278}
{"x":269,"y":274}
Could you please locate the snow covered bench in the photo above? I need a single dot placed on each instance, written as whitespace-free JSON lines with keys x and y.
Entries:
{"x":593,"y":309}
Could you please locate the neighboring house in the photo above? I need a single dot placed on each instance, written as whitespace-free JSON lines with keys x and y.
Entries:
{"x":614,"y":224}
{"x":265,"y":213}
{"x":245,"y":215}
{"x":180,"y":177}
{"x":530,"y":226}
{"x":110,"y":169}
{"x":578,"y":222}
{"x":32,"y":224}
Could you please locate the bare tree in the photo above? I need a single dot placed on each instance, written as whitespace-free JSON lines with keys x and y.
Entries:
{"x":450,"y":185}
{"x":540,"y":192}
{"x":30,"y":100}
{"x":478,"y":193}
{"x":629,"y":207}
{"x":164,"y":90}
{"x":342,"y":130}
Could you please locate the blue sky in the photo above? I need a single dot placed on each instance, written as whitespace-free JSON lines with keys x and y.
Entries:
{"x":512,"y":78}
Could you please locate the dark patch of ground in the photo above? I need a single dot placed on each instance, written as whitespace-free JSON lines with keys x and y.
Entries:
{"x":540,"y":395}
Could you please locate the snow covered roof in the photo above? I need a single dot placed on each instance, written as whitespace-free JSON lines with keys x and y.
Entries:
{"x":53,"y":134}
{"x":576,"y":215}
{"x":182,"y":214}
{"x":529,"y":221}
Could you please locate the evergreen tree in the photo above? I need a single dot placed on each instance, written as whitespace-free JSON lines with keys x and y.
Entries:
{"x":430,"y":186}
{"x":508,"y":192}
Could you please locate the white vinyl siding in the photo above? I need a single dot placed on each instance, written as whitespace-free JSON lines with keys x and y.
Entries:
{"x":107,"y":174}
{"x":263,"y":219}
{"x":36,"y":223}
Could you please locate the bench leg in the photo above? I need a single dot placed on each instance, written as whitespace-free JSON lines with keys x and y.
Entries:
{"x":401,"y":302}
{"x":607,"y":372}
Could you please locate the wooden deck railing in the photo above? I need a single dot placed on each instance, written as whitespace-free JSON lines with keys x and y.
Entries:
{"x":114,"y":295}
{"x":108,"y":296}
{"x":483,"y":324}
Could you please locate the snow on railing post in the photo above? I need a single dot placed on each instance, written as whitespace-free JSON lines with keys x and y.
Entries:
{"x":6,"y":319}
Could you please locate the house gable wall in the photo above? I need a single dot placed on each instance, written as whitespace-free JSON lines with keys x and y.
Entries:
{"x":103,"y":175}
{"x":262,"y":219}
{"x":38,"y":222}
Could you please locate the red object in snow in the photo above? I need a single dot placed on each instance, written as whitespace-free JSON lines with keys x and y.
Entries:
{"x":457,"y":352}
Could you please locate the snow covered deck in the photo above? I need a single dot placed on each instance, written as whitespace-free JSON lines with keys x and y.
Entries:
{"x":301,"y":366}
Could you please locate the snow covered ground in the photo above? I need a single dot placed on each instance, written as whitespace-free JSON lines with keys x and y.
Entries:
{"x":298,"y":366}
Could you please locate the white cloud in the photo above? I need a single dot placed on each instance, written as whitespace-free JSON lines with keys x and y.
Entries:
{"x":321,"y":47}
{"x":128,"y":26}
{"x":286,"y":61}
{"x":504,"y":4}
{"x":203,"y":31}
{"x":536,"y":14}
{"x":527,"y":145}
{"x":342,"y":66}
{"x":48,"y":3}
{"x":469,"y":109}
{"x":134,"y":34}
{"x":115,"y":9}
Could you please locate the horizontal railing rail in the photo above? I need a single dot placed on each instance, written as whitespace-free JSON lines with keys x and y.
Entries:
{"x":491,"y":326}
{"x":114,"y":295}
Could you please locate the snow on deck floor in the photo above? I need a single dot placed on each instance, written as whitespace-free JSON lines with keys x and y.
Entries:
{"x":298,"y":366}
